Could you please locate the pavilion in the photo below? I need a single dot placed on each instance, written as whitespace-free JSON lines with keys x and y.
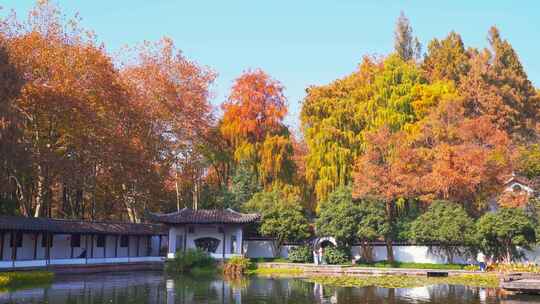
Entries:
{"x":218,"y":232}
{"x":27,"y":242}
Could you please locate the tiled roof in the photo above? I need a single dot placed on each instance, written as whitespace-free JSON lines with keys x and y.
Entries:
{"x":521,"y":180}
{"x":214,"y":216}
{"x":41,"y":224}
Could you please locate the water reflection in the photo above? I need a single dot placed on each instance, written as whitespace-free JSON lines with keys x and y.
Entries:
{"x":154,"y":287}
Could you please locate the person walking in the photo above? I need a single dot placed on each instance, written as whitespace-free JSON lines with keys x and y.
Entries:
{"x":481,"y":259}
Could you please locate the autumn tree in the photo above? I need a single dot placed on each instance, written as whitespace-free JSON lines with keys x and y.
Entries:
{"x":497,"y":86}
{"x":173,"y":93}
{"x":446,"y":59}
{"x":253,"y":122}
{"x":13,"y":156}
{"x":405,"y":45}
{"x":336,"y":118}
{"x":69,"y":93}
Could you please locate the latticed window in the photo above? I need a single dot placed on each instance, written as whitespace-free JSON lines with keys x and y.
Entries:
{"x":207,"y":244}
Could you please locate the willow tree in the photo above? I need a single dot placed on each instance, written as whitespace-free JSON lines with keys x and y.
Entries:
{"x":336,"y":117}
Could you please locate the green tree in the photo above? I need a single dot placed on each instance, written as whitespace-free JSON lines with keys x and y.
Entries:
{"x":405,"y":45}
{"x":244,"y":184}
{"x":372,"y":225}
{"x":339,"y":217}
{"x":448,"y":227}
{"x":283,"y":218}
{"x":502,"y":232}
{"x":284,"y":223}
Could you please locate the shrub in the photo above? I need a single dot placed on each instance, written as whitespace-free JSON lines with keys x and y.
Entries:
{"x":447,"y":225}
{"x":25,"y":278}
{"x":189,"y":260}
{"x":236,"y":265}
{"x":301,"y":254}
{"x":336,"y":256}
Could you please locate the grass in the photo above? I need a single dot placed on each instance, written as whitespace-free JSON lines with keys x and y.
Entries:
{"x":385,"y":264}
{"x":270,"y":260}
{"x":391,"y":281}
{"x":19,"y":279}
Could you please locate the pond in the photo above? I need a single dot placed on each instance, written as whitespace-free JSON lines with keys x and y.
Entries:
{"x":155,"y":287}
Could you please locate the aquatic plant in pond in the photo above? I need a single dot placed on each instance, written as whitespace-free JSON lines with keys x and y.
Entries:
{"x":410,"y":265}
{"x":400,"y":281}
{"x":267,"y":271}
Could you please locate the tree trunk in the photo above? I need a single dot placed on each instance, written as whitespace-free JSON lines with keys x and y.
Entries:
{"x":389,"y":251}
{"x":276,"y":249}
{"x":196,"y":194}
{"x":40,"y":193}
{"x":129,"y":202}
{"x":177,"y":189}
{"x":367,"y":252}
{"x":388,"y":238}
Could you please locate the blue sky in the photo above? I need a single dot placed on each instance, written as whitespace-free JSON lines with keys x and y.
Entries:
{"x":300,"y":42}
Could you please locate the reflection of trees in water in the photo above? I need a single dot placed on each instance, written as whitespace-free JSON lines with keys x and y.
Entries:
{"x":142,"y":287}
{"x":145,"y":287}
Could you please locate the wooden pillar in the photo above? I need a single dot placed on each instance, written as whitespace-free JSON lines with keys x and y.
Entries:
{"x":159,"y":246}
{"x":1,"y":245}
{"x":86,"y":248}
{"x":223,"y":246}
{"x":116,"y":246}
{"x":138,"y":245}
{"x":71,"y":245}
{"x":105,"y":246}
{"x":185,"y":238}
{"x":13,"y":248}
{"x":242,"y":242}
{"x":92,"y":246}
{"x":48,"y":241}
{"x":36,"y":235}
{"x":148,"y":244}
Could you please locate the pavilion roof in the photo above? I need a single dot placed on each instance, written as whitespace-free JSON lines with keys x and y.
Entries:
{"x":213,"y":216}
{"x":40,"y":224}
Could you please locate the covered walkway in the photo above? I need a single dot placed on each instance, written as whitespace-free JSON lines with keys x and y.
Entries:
{"x":40,"y":242}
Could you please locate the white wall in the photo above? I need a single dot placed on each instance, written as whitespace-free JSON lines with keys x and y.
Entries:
{"x":409,"y":253}
{"x":263,"y":249}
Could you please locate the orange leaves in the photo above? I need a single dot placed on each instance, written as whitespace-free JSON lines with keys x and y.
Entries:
{"x":454,"y":158}
{"x":513,"y":199}
{"x":255,"y":108}
{"x":170,"y":88}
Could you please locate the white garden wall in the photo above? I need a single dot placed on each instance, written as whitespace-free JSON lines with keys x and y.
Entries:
{"x":402,"y":253}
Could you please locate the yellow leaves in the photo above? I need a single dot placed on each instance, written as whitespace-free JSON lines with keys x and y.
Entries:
{"x":245,"y":151}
